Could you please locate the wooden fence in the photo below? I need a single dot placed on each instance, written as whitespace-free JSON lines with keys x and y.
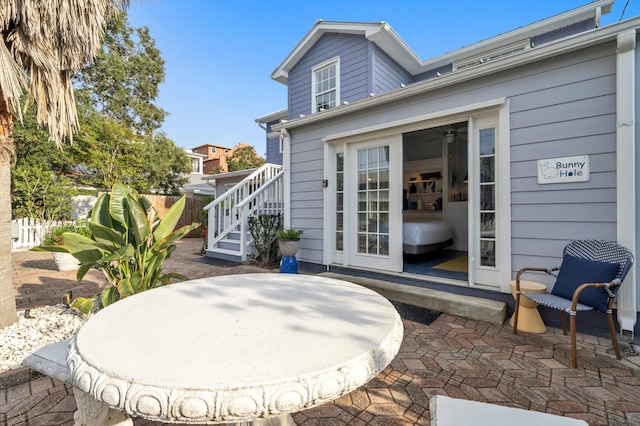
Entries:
{"x":192,"y":211}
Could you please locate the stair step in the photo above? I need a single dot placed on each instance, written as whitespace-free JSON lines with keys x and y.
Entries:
{"x":224,"y":254}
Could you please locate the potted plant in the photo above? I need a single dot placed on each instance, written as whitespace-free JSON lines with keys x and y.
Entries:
{"x":289,"y":241}
{"x":128,"y":243}
{"x":65,"y":261}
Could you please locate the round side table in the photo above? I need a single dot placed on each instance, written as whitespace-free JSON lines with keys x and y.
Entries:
{"x":529,"y":319}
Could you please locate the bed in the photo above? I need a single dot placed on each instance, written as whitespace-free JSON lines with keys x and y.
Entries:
{"x":426,"y":236}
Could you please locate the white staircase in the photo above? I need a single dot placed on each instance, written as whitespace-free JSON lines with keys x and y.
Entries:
{"x":262,"y":192}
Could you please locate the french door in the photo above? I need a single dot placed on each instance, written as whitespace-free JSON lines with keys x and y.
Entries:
{"x":489,"y":218}
{"x":373,"y":192}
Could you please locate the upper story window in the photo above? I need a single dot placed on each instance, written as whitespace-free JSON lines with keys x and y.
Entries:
{"x":326,"y":85}
{"x":213,"y":149}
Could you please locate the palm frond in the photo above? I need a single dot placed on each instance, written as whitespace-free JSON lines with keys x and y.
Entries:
{"x":50,"y":40}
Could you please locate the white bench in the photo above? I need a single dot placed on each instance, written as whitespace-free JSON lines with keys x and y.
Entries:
{"x":446,"y":411}
{"x":51,"y":360}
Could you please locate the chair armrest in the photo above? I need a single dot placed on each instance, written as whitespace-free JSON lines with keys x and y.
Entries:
{"x":532,"y":269}
{"x":606,"y":286}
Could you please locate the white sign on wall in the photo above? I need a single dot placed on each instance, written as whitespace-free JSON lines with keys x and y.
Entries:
{"x":564,"y":169}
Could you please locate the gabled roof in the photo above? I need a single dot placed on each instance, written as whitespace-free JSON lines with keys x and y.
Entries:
{"x":378,"y":32}
{"x":388,"y":40}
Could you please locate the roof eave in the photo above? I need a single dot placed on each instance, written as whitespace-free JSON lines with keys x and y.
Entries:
{"x":573,"y":16}
{"x":579,"y":41}
{"x":378,"y":32}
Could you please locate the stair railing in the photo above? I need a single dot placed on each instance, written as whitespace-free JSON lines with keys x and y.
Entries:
{"x":231,"y":210}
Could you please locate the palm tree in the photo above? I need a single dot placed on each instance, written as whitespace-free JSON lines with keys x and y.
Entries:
{"x":44,"y":43}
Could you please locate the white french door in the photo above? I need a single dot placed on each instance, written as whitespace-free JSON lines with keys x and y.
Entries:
{"x":373,"y":202}
{"x":489,"y":213}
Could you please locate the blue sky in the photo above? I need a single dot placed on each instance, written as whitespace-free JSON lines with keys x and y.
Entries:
{"x":219,"y":55}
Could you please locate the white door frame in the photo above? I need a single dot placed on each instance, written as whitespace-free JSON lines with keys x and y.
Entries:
{"x":497,"y":277}
{"x":498,"y":108}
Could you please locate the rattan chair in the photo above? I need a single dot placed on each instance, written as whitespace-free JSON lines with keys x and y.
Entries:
{"x":588,"y":279}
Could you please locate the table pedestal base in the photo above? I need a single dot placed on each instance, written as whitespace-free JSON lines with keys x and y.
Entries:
{"x":285,"y":420}
{"x":92,"y":412}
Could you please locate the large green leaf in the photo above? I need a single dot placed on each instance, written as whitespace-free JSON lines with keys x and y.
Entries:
{"x":120,"y":254}
{"x":126,"y":288}
{"x":166,"y":278}
{"x":106,"y":237}
{"x":100,"y":213}
{"x":82,"y":304}
{"x":118,"y":204}
{"x":58,"y":249}
{"x":82,"y":248}
{"x":140,"y":227}
{"x":170,"y":220}
{"x":175,"y":236}
{"x":82,"y":271}
{"x":109,"y":296}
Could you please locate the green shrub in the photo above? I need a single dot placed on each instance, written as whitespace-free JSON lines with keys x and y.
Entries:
{"x":263,"y":233}
{"x":54,"y":236}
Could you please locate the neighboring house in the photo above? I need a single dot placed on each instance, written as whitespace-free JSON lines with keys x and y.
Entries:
{"x":274,"y":141}
{"x":197,"y":186}
{"x":215,"y":160}
{"x":366,"y":117}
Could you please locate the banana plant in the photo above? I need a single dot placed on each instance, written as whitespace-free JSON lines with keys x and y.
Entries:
{"x":129,"y":244}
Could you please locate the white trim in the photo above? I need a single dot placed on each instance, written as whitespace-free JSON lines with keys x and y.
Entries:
{"x":625,"y":172}
{"x":286,"y":165}
{"x":417,"y":122}
{"x":333,"y":62}
{"x":390,"y":42}
{"x":492,"y":55}
{"x":550,"y":50}
{"x":504,"y":195}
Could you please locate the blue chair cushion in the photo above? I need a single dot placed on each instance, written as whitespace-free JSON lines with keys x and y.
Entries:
{"x":576,"y":271}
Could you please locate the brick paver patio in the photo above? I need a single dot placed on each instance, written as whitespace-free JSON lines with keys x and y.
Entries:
{"x":452,"y":356}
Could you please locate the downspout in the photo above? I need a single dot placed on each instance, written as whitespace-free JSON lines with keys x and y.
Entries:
{"x":286,"y":166}
{"x":626,"y":173}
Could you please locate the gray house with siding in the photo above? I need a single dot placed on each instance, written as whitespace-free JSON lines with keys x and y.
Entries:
{"x":518,"y":144}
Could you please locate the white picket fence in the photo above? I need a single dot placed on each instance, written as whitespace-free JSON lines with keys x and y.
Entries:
{"x":28,"y":232}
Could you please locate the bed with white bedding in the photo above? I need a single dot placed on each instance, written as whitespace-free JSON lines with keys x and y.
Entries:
{"x":425,"y":236}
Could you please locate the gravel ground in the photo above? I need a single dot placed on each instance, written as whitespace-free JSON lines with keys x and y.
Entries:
{"x":36,"y":328}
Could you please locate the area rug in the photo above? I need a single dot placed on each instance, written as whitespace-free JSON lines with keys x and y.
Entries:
{"x":416,"y":313}
{"x":458,"y":264}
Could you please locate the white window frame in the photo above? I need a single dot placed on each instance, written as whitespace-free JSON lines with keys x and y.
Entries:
{"x":334,"y":62}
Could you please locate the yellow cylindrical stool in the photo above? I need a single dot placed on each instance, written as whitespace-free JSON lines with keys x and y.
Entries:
{"x":529,"y":319}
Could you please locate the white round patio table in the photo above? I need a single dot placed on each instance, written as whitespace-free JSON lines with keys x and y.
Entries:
{"x":231,"y":349}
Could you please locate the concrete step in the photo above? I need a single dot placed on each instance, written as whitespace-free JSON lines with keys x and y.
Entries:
{"x":475,"y":308}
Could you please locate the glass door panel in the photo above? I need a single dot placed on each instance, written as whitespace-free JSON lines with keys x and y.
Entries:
{"x":373,"y":201}
{"x":487,"y":198}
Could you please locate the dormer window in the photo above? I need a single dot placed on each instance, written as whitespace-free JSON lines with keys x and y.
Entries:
{"x":326,"y":85}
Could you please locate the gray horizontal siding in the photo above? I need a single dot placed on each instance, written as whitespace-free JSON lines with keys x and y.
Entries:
{"x":387,"y":74}
{"x":354,"y":71}
{"x":559,"y":107}
{"x":574,"y":118}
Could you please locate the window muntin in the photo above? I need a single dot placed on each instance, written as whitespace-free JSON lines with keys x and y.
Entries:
{"x":326,"y":86}
{"x":488,"y":240}
{"x":373,"y":206}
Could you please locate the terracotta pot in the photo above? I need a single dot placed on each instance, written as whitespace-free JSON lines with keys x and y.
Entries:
{"x":288,"y":248}
{"x":65,"y":261}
